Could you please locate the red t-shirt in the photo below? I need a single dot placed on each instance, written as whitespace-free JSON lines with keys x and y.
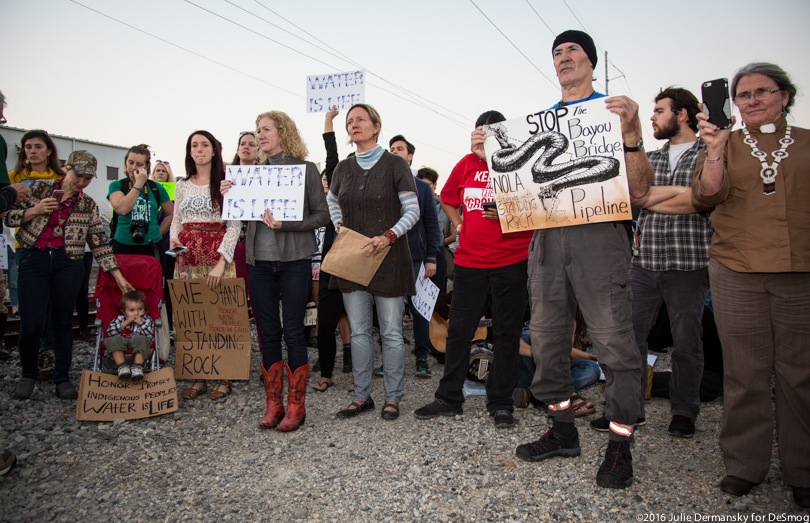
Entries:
{"x":482,"y":245}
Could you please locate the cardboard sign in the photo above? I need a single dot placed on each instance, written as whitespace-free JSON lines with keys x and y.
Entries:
{"x":426,"y":295}
{"x":104,"y":397}
{"x":279,"y":188}
{"x":212,"y":330}
{"x":339,"y":89}
{"x":558,"y":168}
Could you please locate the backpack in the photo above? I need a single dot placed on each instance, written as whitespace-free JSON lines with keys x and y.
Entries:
{"x":126,"y":186}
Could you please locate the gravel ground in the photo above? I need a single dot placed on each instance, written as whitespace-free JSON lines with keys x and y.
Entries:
{"x":209,"y":461}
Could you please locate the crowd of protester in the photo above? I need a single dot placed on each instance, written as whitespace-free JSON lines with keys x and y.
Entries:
{"x":722,"y":237}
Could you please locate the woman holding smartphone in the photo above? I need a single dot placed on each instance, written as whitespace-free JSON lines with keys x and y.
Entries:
{"x":198,"y":226}
{"x":54,"y":225}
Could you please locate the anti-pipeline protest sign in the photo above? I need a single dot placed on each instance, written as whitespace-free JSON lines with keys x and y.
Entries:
{"x":212,"y":330}
{"x":279,"y":188}
{"x":342,"y":90}
{"x":558,"y":168}
{"x":104,"y":397}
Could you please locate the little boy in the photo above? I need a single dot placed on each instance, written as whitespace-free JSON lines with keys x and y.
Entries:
{"x":132,"y":330}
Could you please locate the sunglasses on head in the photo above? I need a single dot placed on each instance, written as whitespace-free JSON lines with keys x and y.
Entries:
{"x":243,"y":133}
{"x":163,"y":162}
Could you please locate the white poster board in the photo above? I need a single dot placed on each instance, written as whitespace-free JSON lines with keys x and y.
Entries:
{"x":558,"y":168}
{"x":340,"y":89}
{"x":279,"y":188}
{"x":426,"y":294}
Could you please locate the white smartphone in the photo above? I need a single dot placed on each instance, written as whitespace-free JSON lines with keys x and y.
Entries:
{"x":176,"y":251}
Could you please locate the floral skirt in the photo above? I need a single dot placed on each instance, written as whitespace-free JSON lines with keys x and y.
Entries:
{"x":201,"y":241}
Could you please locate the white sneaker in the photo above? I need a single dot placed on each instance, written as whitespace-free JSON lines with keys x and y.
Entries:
{"x":137,"y":372}
{"x":124,"y":372}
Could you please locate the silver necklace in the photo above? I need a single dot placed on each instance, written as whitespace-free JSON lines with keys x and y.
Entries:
{"x":769,"y":170}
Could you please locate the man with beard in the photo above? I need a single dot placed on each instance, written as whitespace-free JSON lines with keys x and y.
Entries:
{"x":670,"y":266}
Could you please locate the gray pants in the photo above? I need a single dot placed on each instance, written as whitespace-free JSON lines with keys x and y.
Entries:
{"x":684,"y":293}
{"x":139,"y":345}
{"x":764,"y":324}
{"x":587,"y":265}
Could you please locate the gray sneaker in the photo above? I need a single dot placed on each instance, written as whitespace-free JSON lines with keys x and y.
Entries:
{"x":137,"y":372}
{"x":124,"y":372}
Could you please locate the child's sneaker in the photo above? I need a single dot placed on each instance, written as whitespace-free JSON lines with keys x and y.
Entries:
{"x":137,"y":373}
{"x":124,"y":372}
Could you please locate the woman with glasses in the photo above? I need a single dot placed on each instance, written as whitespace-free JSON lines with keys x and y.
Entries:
{"x":198,"y":226}
{"x":758,"y":180}
{"x":374,"y":193}
{"x":278,"y":255}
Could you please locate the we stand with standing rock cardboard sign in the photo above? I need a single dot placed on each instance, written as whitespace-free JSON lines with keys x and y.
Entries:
{"x":279,"y":188}
{"x":104,"y":397}
{"x":212,"y":330}
{"x":558,"y":168}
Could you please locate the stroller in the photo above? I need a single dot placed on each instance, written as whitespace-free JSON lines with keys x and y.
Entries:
{"x":145,"y":274}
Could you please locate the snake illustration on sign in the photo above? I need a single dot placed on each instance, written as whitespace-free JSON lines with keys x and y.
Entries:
{"x":558,"y":168}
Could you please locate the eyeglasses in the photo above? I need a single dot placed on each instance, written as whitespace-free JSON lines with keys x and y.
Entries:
{"x":759,"y":95}
{"x":164,"y":162}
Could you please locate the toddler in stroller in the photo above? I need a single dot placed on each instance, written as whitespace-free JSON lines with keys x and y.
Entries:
{"x":134,"y":330}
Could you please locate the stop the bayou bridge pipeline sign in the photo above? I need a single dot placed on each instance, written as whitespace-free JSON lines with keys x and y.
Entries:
{"x":558,"y":168}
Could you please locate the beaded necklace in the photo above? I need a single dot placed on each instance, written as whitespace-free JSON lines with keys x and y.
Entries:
{"x":769,"y":170}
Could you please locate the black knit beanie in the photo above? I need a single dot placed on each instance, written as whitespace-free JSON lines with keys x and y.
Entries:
{"x":577,"y":37}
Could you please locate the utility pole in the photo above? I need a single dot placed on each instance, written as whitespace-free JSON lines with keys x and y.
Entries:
{"x":607,"y":80}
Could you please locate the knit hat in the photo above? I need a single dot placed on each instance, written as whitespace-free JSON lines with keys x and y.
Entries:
{"x":578,"y":37}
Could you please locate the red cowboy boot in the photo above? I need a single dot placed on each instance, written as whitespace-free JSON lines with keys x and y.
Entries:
{"x":296,"y":392}
{"x":274,"y":386}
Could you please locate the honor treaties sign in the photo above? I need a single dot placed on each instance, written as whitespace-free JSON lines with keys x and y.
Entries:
{"x":557,"y":168}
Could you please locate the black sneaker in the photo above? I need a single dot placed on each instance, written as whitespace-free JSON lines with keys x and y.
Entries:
{"x":603,"y":424}
{"x":504,"y":419}
{"x":681,"y":427}
{"x":617,"y":469}
{"x":438,"y":408}
{"x":66,"y":391}
{"x":549,"y":445}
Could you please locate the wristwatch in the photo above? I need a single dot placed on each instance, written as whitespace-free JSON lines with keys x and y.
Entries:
{"x":635,"y":149}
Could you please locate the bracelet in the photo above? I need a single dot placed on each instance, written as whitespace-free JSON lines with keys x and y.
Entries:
{"x":458,"y":228}
{"x":138,"y":187}
{"x":713,"y":160}
{"x":391,"y":235}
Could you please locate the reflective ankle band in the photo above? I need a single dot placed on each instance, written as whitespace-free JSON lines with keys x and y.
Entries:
{"x":621,"y":430}
{"x":560,"y":406}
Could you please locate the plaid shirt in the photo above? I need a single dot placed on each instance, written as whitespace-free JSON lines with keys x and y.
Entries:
{"x":670,"y":242}
{"x":147,"y":328}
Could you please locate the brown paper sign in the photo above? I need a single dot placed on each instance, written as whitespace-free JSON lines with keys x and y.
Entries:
{"x":103,"y":397}
{"x":212,"y":330}
{"x":348,"y":260}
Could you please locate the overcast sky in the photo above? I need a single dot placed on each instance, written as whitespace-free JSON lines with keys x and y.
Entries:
{"x":74,"y":72}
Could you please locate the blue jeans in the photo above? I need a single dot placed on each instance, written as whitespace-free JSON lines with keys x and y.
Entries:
{"x":507,"y":285}
{"x":47,"y":276}
{"x":421,"y":326}
{"x":584,"y":372}
{"x":287,"y":283}
{"x":358,"y":306}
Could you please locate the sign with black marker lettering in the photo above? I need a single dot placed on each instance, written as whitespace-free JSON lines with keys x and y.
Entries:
{"x":104,"y":397}
{"x":212,"y":330}
{"x":427,"y":292}
{"x":558,"y":168}
{"x":342,"y":90}
{"x":279,"y":188}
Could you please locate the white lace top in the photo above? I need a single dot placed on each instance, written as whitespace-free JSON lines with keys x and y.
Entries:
{"x":192,"y":204}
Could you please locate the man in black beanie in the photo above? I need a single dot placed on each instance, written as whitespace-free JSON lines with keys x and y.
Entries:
{"x":586,"y":265}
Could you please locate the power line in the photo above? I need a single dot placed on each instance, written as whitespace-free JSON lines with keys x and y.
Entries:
{"x":186,"y":50}
{"x":339,"y":54}
{"x":513,"y":45}
{"x":541,"y":18}
{"x":459,"y":124}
